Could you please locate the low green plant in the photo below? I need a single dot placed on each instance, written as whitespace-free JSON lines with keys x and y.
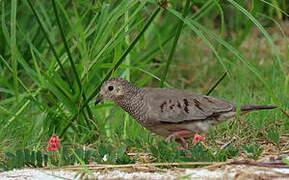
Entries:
{"x":55,"y":54}
{"x":171,"y":152}
{"x":166,"y":152}
{"x":286,"y":160}
{"x":24,"y":158}
{"x":253,"y":150}
{"x":274,"y":135}
{"x":104,"y":154}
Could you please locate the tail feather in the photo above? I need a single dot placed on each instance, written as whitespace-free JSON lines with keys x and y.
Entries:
{"x":253,"y":107}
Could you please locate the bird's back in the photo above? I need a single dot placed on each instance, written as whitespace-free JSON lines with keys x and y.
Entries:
{"x":177,"y":106}
{"x":170,"y":110}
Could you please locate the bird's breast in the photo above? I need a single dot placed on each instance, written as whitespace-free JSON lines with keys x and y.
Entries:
{"x":136,"y":108}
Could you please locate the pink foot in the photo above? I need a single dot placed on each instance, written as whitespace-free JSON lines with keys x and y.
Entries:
{"x":179,"y":135}
{"x":198,"y":138}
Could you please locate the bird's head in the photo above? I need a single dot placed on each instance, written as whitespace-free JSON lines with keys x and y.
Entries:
{"x":113,"y":90}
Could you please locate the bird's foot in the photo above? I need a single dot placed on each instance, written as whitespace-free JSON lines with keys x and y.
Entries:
{"x":198,"y":138}
{"x":179,"y":135}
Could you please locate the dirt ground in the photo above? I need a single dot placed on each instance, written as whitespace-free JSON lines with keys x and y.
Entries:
{"x":272,"y":167}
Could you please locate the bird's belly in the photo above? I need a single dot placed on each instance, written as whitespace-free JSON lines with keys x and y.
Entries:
{"x":165,"y":130}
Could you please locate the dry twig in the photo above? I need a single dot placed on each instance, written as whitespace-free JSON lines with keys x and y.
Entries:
{"x":261,"y":164}
{"x":108,"y":166}
{"x":284,"y":112}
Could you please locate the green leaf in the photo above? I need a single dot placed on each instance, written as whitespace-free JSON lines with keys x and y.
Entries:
{"x":39,"y":159}
{"x":20,"y":158}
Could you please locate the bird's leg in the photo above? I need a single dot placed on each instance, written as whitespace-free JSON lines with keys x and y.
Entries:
{"x":198,"y":138}
{"x":179,"y":135}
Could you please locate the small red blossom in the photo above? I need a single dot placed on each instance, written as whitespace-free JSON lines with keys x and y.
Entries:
{"x":198,"y":138}
{"x":54,"y":143}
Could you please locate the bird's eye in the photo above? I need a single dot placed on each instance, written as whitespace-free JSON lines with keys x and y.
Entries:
{"x":110,"y":88}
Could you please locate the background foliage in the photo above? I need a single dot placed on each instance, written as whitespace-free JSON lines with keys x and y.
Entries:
{"x":55,"y":54}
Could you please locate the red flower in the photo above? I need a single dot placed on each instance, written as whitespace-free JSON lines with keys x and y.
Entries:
{"x":198,"y":138}
{"x":54,"y":143}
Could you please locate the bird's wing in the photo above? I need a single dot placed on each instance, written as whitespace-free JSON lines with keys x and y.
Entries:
{"x":178,"y":106}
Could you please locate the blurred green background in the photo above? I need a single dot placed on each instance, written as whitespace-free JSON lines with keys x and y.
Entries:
{"x":55,"y":54}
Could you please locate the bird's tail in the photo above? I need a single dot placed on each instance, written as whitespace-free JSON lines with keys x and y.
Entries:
{"x":254,"y":107}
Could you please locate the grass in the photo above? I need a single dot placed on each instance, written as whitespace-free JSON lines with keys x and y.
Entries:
{"x":54,"y":60}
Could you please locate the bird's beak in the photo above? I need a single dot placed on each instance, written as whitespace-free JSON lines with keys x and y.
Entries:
{"x":99,"y":98}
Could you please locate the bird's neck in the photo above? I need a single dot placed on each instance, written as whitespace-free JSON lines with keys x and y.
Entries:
{"x":133,"y":102}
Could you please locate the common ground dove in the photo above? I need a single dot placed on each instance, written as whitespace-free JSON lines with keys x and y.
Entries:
{"x":171,"y":112}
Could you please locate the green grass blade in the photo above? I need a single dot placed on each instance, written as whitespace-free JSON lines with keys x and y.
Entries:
{"x":20,"y":110}
{"x":50,"y":43}
{"x":3,"y":25}
{"x":200,"y":34}
{"x":217,"y":83}
{"x":268,"y":37}
{"x":122,"y":58}
{"x":276,"y":7}
{"x":114,"y":40}
{"x":203,"y":10}
{"x":72,"y":64}
{"x":278,"y":12}
{"x":179,"y":29}
{"x":36,"y":67}
{"x":193,"y":24}
{"x":222,"y":31}
{"x":14,"y":49}
{"x":21,"y":83}
{"x":127,"y":71}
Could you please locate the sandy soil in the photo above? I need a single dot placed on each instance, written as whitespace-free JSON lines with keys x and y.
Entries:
{"x":226,"y":172}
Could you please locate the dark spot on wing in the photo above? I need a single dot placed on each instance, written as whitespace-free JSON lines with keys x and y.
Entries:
{"x":186,"y":102}
{"x":170,"y":101}
{"x":186,"y":109}
{"x":172,"y":106}
{"x":162,"y":106}
{"x":179,"y":105}
{"x":197,"y":104}
{"x":209,"y":100}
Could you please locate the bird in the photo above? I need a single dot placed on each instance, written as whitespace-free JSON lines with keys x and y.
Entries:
{"x":172,"y":112}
